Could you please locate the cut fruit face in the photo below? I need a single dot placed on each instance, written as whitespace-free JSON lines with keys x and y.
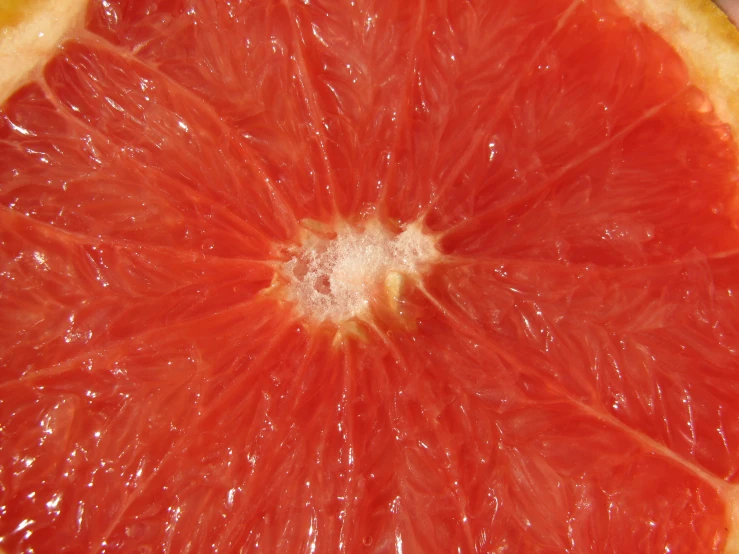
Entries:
{"x":426,"y":276}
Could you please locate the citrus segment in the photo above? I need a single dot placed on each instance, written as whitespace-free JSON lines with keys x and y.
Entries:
{"x":119,"y":452}
{"x":269,"y":49}
{"x":459,"y":81}
{"x":606,"y":338}
{"x":135,"y":109}
{"x":517,"y":224}
{"x":557,"y":161}
{"x":559,"y":471}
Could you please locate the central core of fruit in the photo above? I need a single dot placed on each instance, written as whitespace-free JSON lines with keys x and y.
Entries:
{"x":336,"y":275}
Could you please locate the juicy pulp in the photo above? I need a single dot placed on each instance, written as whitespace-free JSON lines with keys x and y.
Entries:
{"x":564,"y":378}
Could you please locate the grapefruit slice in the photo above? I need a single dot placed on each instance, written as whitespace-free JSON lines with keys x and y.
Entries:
{"x":423,"y":276}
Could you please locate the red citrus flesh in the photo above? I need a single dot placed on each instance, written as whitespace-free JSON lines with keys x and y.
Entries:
{"x":564,"y":378}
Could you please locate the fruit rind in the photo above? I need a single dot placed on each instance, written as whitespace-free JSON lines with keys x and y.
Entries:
{"x":732,"y":500}
{"x":29,"y":39}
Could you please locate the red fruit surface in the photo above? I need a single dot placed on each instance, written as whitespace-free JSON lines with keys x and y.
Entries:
{"x":563,"y":379}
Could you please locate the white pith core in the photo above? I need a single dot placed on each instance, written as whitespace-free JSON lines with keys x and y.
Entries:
{"x":335,"y":279}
